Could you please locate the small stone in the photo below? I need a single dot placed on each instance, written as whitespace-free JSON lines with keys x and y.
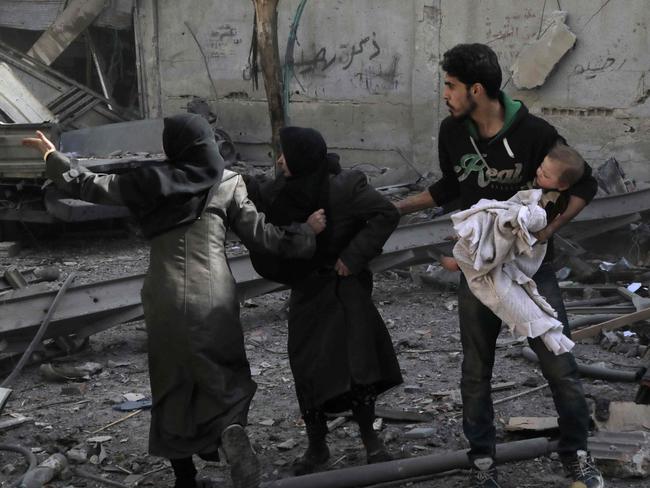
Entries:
{"x":287,"y":445}
{"x":412,"y":389}
{"x":420,"y":433}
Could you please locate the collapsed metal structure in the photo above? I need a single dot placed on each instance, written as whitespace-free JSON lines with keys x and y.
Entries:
{"x":89,"y":308}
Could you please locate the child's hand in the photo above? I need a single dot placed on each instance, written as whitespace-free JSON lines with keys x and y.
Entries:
{"x":449,"y":263}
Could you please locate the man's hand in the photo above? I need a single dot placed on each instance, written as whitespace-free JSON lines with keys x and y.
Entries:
{"x":545,"y":234}
{"x":317,"y":221}
{"x":449,"y":263}
{"x":40,"y":143}
{"x":341,"y":269}
{"x":414,"y":203}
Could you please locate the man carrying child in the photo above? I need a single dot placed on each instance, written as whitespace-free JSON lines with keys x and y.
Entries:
{"x":491,"y":147}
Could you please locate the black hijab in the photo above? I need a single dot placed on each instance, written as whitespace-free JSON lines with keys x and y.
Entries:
{"x":307,"y":189}
{"x":174,"y":194}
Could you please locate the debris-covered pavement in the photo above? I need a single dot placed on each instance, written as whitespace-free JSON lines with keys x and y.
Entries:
{"x":91,"y":405}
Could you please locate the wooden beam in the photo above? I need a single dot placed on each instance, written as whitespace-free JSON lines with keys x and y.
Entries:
{"x":616,"y":323}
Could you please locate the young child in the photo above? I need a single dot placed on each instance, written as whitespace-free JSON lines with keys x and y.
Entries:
{"x":562,"y":167}
{"x":560,"y":170}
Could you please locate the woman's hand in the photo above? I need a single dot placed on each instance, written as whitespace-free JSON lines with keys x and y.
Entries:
{"x":449,"y":263}
{"x":341,"y":269}
{"x":317,"y":221}
{"x":40,"y":143}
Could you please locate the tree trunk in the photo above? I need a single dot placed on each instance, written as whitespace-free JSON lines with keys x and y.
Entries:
{"x":269,"y":55}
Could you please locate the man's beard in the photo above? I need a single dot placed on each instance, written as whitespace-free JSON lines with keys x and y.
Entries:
{"x":471,"y":106}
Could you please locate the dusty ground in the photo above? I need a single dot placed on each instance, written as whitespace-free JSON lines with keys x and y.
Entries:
{"x":422,"y":319}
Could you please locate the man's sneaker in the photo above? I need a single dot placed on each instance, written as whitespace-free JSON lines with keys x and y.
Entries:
{"x":484,"y":473}
{"x":244,"y":466}
{"x":582,"y":470}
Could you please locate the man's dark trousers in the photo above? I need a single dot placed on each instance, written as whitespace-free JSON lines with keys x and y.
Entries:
{"x":479,"y":329}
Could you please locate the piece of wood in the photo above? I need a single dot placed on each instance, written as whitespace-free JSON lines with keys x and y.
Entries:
{"x":119,"y":421}
{"x":14,"y":422}
{"x":495,"y":387}
{"x":512,"y":397}
{"x":613,"y":324}
{"x":537,"y":424}
{"x":337,"y":422}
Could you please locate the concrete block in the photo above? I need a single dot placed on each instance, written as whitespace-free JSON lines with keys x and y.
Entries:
{"x":537,"y":59}
{"x":420,"y":433}
{"x":622,"y":454}
{"x":626,"y":417}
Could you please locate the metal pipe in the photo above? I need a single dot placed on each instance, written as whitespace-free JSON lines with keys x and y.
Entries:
{"x":598,"y":372}
{"x":403,"y":469}
{"x":30,"y":457}
{"x":591,"y":319}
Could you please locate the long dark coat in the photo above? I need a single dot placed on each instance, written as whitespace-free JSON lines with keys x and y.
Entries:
{"x":336,"y":336}
{"x":199,"y":373}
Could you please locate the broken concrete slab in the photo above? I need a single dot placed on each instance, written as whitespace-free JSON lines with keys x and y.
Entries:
{"x":626,"y":417}
{"x":77,"y":16}
{"x":537,"y":59}
{"x":622,"y":454}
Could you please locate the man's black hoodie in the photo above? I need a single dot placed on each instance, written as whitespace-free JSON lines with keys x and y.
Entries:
{"x":497,"y":168}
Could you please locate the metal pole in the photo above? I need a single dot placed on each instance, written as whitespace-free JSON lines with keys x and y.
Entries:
{"x":404,"y":469}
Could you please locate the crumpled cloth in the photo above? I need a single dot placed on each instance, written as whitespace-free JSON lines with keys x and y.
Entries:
{"x":496,"y":253}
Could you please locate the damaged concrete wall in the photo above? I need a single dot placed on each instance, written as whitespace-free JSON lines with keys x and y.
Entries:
{"x":367,"y":72}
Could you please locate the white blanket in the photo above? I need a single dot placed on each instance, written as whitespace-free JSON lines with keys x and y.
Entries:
{"x":495,"y":252}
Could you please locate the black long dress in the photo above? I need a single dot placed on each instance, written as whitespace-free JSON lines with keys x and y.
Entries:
{"x":337,"y":337}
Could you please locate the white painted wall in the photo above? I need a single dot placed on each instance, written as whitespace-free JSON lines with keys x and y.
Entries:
{"x":367,"y":72}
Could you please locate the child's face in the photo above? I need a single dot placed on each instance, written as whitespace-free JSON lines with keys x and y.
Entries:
{"x":549,"y":174}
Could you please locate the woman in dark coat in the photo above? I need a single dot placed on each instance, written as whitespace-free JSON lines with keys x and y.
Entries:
{"x":200,"y":377}
{"x":340,"y":352}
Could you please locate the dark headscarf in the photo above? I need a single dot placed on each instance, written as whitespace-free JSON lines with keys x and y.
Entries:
{"x":294,"y":199}
{"x":307,"y":189}
{"x":166,"y":196}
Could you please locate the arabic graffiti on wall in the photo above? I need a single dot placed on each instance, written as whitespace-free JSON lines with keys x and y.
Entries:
{"x":223,"y":41}
{"x":362,"y":60}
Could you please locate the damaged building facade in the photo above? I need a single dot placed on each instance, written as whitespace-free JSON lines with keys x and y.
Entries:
{"x":366,"y":72}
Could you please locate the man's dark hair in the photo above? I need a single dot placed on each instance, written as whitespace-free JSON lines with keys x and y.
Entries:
{"x":474,"y":63}
{"x":573,"y":165}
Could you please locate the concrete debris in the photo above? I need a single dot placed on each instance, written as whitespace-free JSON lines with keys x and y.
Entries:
{"x":626,"y":417}
{"x":66,"y":373}
{"x":622,"y":454}
{"x":537,"y":59}
{"x":78,"y":15}
{"x":9,"y":249}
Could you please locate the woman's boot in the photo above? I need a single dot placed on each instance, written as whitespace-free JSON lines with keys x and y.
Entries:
{"x":317,"y":452}
{"x":364,"y":414}
{"x":185,"y":472}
